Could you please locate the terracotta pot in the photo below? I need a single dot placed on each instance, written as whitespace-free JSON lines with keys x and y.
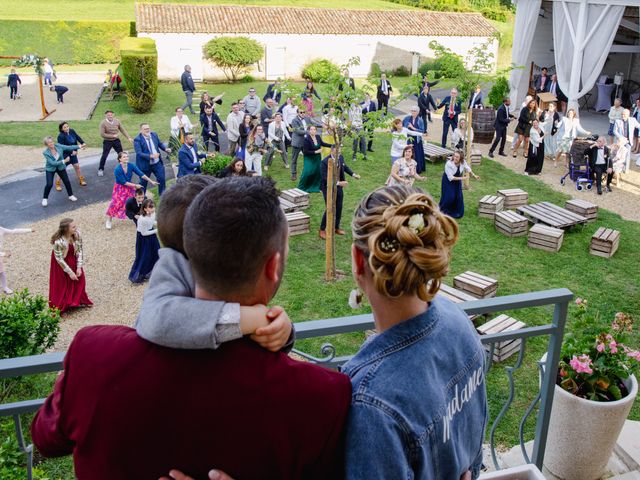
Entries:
{"x":583,"y":433}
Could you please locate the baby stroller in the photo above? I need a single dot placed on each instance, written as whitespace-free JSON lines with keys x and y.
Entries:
{"x":579,"y":170}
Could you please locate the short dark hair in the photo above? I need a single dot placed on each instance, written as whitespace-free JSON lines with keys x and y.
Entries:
{"x":108,"y":111}
{"x":62,"y":124}
{"x":139,"y":191}
{"x":173,"y":206}
{"x":230,"y":230}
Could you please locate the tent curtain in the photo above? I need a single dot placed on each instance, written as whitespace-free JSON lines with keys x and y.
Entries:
{"x":526,"y":20}
{"x":582,"y":37}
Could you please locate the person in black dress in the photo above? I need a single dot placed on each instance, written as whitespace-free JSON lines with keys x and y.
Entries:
{"x":527,"y":116}
{"x":535,"y":154}
{"x":236,"y":168}
{"x":451,"y":199}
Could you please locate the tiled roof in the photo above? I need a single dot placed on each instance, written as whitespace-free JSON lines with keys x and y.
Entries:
{"x":180,"y":18}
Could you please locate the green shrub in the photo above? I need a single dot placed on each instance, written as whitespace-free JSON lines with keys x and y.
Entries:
{"x":320,"y":71}
{"x":447,"y":64}
{"x":27,"y":325}
{"x":247,"y":79}
{"x":212,"y":165}
{"x":140,"y":72}
{"x":401,"y":71}
{"x":375,"y":70}
{"x":499,"y":90}
{"x":64,"y":42}
{"x":233,"y":55}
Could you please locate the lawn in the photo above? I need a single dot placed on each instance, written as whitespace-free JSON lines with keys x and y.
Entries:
{"x":609,"y":284}
{"x":118,"y":10}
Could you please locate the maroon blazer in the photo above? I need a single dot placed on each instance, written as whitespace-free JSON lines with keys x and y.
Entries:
{"x":129,"y":409}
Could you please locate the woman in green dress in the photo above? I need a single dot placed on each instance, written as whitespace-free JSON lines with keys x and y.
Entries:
{"x":311,"y":149}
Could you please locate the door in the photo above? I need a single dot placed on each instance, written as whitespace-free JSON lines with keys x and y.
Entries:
{"x":193,"y":57}
{"x":276,"y":62}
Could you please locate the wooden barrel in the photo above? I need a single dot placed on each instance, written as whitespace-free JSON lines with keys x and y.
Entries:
{"x":482,"y":121}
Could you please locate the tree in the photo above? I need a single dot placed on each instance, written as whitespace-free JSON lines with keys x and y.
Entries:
{"x":234,"y":55}
{"x":140,"y":70}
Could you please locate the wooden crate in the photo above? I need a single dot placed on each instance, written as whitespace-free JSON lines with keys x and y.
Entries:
{"x":435,"y":153}
{"x":476,"y":157}
{"x":502,"y":323}
{"x":298,"y":197}
{"x":511,"y":224}
{"x":604,"y":242}
{"x":514,"y":197}
{"x":581,"y":207}
{"x":287,"y":206}
{"x":546,"y":238}
{"x":456,"y":296}
{"x":299,"y":223}
{"x":476,"y":285}
{"x":490,"y":205}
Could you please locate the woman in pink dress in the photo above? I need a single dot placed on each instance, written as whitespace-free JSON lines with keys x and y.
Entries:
{"x":67,"y":282}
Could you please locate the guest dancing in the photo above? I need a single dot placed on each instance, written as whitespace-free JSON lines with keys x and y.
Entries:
{"x":399,"y":139}
{"x":525,"y":120}
{"x":549,"y":121}
{"x":403,"y":170}
{"x":571,"y":129}
{"x":244,"y":130}
{"x":425,"y":100}
{"x":236,"y":168}
{"x":312,"y":148}
{"x":452,"y":109}
{"x":535,"y":154}
{"x":55,"y":164}
{"x":124,"y":188}
{"x":451,"y":199}
{"x":307,"y":97}
{"x":133,"y":205}
{"x":615,"y":114}
{"x":3,"y":253}
{"x":330,"y":126}
{"x":147,"y":244}
{"x":459,"y":136}
{"x":67,"y":282}
{"x":414,"y":123}
{"x":68,"y":136}
{"x":256,"y":148}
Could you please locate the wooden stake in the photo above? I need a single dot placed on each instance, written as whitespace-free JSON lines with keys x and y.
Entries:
{"x":45,"y":112}
{"x":467,"y":145}
{"x":330,"y":267}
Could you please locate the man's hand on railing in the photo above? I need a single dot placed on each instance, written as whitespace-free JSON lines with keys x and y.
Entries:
{"x":213,"y":475}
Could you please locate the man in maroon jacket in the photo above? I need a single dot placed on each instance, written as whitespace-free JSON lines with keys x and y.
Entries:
{"x":129,"y":409}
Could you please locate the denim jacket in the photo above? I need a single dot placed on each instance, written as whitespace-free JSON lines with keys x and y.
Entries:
{"x":419,"y":405}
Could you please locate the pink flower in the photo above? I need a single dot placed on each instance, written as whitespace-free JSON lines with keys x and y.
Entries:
{"x":613,"y":346}
{"x":600,"y":347}
{"x":615,"y":326}
{"x":634,"y":354}
{"x":578,"y":301}
{"x":581,"y":364}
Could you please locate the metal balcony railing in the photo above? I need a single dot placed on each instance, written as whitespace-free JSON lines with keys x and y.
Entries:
{"x":559,"y":298}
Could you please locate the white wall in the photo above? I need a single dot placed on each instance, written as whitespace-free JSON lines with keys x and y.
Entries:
{"x":176,"y":50}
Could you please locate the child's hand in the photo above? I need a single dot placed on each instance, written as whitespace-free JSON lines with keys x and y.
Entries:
{"x":275,"y":335}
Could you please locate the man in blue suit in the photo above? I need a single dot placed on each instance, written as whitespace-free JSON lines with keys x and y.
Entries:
{"x":147,"y":146}
{"x":189,"y":159}
{"x":452,"y":109}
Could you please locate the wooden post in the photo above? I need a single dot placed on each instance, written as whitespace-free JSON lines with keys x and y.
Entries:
{"x":467,"y":145}
{"x":330,"y":268}
{"x":45,"y":112}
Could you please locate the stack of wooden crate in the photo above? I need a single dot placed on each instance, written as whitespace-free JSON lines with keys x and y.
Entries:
{"x":287,"y":206}
{"x":584,"y":208}
{"x":514,"y":198}
{"x":456,"y":296}
{"x":476,"y":156}
{"x":604,"y":242}
{"x":502,"y":323}
{"x":298,"y":197}
{"x":546,"y":238}
{"x":490,"y":205}
{"x":299,"y":223}
{"x":511,"y":224}
{"x":476,"y":285}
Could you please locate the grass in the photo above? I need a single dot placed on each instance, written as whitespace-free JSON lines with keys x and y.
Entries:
{"x":609,"y":284}
{"x":119,"y":10}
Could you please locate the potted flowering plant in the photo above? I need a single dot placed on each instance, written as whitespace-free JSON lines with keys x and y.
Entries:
{"x":595,"y":391}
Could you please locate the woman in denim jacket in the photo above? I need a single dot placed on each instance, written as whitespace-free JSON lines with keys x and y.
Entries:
{"x":419,"y":406}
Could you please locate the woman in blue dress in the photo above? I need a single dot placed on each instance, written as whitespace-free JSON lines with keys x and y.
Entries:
{"x":414,"y":123}
{"x":147,"y":244}
{"x":451,"y":200}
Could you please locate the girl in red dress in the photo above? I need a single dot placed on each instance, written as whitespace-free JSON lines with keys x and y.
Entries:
{"x":66,"y":278}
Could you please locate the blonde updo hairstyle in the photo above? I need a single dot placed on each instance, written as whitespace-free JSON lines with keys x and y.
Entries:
{"x":406,"y":240}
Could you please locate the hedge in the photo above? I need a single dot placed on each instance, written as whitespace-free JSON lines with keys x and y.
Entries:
{"x":64,"y":42}
{"x":139,"y":62}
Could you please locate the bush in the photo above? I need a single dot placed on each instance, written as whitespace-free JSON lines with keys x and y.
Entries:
{"x":140,"y":72}
{"x":499,"y":90}
{"x":65,"y":42}
{"x":320,"y":71}
{"x":212,"y":165}
{"x":233,"y":55}
{"x":401,"y":71}
{"x":375,"y":70}
{"x":27,"y":325}
{"x":247,"y":79}
{"x":447,"y":64}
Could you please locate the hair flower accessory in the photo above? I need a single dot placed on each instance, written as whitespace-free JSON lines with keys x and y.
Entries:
{"x":416,"y":222}
{"x":389,"y":245}
{"x":355,"y":298}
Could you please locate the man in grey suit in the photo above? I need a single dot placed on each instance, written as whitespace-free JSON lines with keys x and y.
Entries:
{"x":625,"y":131}
{"x":299,"y":126}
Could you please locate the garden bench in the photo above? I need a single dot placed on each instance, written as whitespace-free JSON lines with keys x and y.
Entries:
{"x":511,"y":224}
{"x":546,"y":238}
{"x":604,"y":243}
{"x":299,"y":223}
{"x":502,"y":323}
{"x":435,"y":153}
{"x":298,"y":197}
{"x":514,"y":197}
{"x":490,"y":205}
{"x":552,"y":215}
{"x":582,"y":207}
{"x":476,"y":285}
